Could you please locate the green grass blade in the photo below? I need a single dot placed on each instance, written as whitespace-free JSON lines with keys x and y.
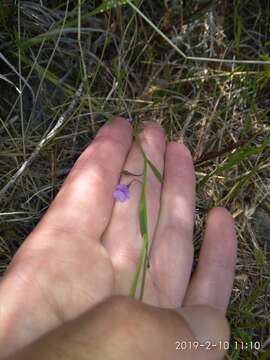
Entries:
{"x":138,"y":11}
{"x":142,"y":262}
{"x":144,"y":226}
{"x":236,"y":158}
{"x":145,"y":265}
{"x":152,"y":166}
{"x":155,"y":171}
{"x":240,"y":184}
{"x":51,"y":34}
{"x":143,"y":203}
{"x":49,"y":75}
{"x":137,"y":273}
{"x":105,"y":6}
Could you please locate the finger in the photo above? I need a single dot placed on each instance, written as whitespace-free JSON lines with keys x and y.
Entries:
{"x":191,"y":336}
{"x":84,"y":204}
{"x":61,"y":263}
{"x":123,"y":238}
{"x":212,"y":281}
{"x":172,"y":251}
{"x":210,"y":329}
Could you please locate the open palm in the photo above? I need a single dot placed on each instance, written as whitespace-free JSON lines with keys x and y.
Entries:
{"x":86,"y":246}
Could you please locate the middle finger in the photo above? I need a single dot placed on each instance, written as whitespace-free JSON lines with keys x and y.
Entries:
{"x":122,"y":238}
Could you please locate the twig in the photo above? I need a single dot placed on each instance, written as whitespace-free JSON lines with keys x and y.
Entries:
{"x":61,"y":121}
{"x":232,"y":146}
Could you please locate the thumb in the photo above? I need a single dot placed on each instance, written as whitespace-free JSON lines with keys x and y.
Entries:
{"x":122,"y":328}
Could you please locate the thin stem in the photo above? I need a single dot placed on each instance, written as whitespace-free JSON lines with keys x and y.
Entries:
{"x":128,"y":173}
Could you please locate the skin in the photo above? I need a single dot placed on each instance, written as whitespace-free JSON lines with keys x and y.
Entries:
{"x":65,"y":293}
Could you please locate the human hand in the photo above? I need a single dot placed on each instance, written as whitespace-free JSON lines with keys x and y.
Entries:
{"x":85,"y":248}
{"x":121,"y":328}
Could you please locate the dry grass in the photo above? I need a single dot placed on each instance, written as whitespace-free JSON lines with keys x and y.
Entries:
{"x":220,"y":110}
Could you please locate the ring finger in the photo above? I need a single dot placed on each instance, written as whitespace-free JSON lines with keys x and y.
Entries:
{"x":172,"y":251}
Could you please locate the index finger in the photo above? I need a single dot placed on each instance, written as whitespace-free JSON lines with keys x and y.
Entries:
{"x":84,"y":204}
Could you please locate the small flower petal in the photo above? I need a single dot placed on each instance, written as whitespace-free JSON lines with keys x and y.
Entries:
{"x":121,"y":193}
{"x":122,"y":187}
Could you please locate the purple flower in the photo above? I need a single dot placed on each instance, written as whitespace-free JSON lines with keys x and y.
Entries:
{"x":121,"y":193}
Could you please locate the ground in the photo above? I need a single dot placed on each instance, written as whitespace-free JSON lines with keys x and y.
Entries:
{"x":127,"y":63}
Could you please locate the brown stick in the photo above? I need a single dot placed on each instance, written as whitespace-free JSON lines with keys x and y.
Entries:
{"x":214,"y":154}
